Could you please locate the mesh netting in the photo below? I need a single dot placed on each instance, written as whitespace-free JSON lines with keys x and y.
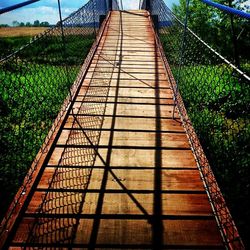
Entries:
{"x":216,"y":96}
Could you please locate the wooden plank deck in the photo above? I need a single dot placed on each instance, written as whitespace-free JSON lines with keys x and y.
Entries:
{"x":121,"y":174}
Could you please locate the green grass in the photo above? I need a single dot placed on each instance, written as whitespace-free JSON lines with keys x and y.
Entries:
{"x":10,"y":44}
{"x":29,"y":105}
{"x":33,"y":87}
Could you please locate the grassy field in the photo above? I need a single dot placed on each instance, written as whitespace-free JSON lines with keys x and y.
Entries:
{"x":21,"y":31}
{"x":34,"y":83}
{"x":12,"y":38}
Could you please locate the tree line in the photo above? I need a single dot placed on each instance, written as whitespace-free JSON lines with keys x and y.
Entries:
{"x":36,"y":23}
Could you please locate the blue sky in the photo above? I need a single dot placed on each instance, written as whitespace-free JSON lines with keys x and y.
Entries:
{"x":46,"y":10}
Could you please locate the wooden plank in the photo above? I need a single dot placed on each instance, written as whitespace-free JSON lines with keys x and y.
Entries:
{"x":23,"y":231}
{"x":95,"y":182}
{"x":186,"y":204}
{"x":122,"y":203}
{"x":60,"y":232}
{"x":147,"y":158}
{"x":176,"y":232}
{"x":129,"y":101}
{"x":123,"y":62}
{"x":129,"y":47}
{"x":135,"y":123}
{"x":134,"y":69}
{"x":128,"y":76}
{"x":142,"y":139}
{"x":131,"y":92}
{"x":192,"y":232}
{"x":132,"y":82}
{"x":136,"y":179}
{"x":126,"y":232}
{"x":128,"y":139}
{"x":61,"y":202}
{"x":136,"y":43}
{"x":164,"y":111}
{"x":143,"y":110}
{"x":182,"y":180}
{"x":131,"y":59}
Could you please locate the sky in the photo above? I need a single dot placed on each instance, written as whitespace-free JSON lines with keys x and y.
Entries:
{"x":46,"y":10}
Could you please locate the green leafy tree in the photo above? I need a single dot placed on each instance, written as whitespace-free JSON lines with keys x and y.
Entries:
{"x":15,"y":23}
{"x":36,"y":23}
{"x":214,"y":27}
{"x":44,"y":24}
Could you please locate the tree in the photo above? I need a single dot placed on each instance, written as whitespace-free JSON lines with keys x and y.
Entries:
{"x":200,"y":21}
{"x":36,"y":23}
{"x":28,"y":24}
{"x":15,"y":23}
{"x":44,"y":24}
{"x":214,"y":26}
{"x":21,"y":24}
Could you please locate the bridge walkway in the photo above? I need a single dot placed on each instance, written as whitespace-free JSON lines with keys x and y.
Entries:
{"x":121,"y":173}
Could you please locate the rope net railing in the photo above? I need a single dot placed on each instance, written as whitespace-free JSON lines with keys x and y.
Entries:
{"x":216,"y":96}
{"x":35,"y":80}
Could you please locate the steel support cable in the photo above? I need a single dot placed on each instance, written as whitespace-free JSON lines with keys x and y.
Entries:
{"x":232,"y":12}
{"x":139,"y":4}
{"x":227,"y":9}
{"x":94,"y":21}
{"x":17,"y":6}
{"x":121,"y":3}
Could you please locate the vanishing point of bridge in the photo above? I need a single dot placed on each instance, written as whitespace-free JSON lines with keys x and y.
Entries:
{"x":120,"y":172}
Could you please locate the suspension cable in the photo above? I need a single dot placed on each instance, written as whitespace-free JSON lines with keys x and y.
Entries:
{"x":227,"y":9}
{"x":17,"y":6}
{"x":121,"y":3}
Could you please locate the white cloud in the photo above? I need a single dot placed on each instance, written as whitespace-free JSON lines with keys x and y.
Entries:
{"x":42,"y":13}
{"x":68,"y":10}
{"x":48,"y":11}
{"x":130,"y":4}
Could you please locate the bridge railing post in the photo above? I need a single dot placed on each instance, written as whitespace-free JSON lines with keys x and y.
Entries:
{"x":148,"y":5}
{"x":101,"y":19}
{"x":110,"y":5}
{"x":107,"y":6}
{"x":155,"y":20}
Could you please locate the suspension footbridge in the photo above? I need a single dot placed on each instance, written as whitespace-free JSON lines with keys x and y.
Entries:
{"x":119,"y":169}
